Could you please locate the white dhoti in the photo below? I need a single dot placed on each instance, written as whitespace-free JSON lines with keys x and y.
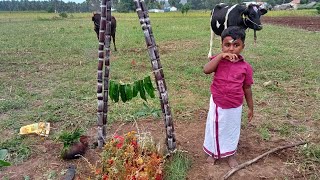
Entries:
{"x":222,"y":131}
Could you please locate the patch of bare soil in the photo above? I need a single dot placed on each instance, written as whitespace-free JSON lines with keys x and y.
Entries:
{"x":45,"y":160}
{"x":302,"y":22}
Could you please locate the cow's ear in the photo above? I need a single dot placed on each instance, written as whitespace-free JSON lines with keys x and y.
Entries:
{"x":263,"y":11}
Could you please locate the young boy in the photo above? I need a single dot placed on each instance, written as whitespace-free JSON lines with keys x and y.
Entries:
{"x":231,"y":81}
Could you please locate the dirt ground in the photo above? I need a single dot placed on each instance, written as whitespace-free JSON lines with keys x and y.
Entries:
{"x":46,"y":164}
{"x":307,"y":23}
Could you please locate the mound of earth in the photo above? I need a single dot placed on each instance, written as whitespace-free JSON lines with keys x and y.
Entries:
{"x":302,"y":22}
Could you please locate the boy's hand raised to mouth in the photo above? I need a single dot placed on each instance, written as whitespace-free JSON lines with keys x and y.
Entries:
{"x":231,"y":57}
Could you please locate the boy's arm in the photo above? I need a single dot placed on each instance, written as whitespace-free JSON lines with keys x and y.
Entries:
{"x":248,"y":96}
{"x":212,"y":65}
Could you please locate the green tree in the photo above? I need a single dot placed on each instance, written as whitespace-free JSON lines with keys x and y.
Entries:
{"x":153,"y":4}
{"x":197,"y":4}
{"x":271,"y":2}
{"x":185,"y":8}
{"x":114,"y":2}
{"x":318,"y":8}
{"x":174,"y":3}
{"x":94,"y":5}
{"x":209,"y":4}
{"x":125,"y":6}
{"x":50,"y":9}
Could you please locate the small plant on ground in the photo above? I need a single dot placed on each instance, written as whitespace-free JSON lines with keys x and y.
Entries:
{"x":69,"y":137}
{"x":147,"y":110}
{"x":177,"y":167}
{"x":265,"y":132}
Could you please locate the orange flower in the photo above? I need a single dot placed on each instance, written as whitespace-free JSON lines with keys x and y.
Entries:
{"x":105,"y":177}
{"x":110,"y":161}
{"x":159,"y":177}
{"x":98,"y":171}
{"x":134,"y":144}
{"x":120,"y":141}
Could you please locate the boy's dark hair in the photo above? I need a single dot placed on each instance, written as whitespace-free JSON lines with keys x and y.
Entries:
{"x":235,"y":32}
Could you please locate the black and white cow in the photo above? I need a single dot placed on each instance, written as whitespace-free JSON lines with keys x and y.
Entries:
{"x":223,"y":16}
{"x":96,"y":20}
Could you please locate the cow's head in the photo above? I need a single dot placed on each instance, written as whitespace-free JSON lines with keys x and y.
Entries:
{"x":96,"y":20}
{"x":252,"y":16}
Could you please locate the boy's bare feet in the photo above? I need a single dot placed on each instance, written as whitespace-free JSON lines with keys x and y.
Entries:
{"x":210,"y":160}
{"x":232,"y":161}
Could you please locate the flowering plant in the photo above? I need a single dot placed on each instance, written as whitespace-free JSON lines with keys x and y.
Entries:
{"x":130,"y":157}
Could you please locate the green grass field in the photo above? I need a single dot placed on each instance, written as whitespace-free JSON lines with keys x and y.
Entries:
{"x":48,"y":73}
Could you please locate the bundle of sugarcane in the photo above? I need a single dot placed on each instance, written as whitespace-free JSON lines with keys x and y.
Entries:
{"x":143,"y":16}
{"x":103,"y":83}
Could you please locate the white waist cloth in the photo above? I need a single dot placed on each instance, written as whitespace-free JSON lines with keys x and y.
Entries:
{"x":222,"y":131}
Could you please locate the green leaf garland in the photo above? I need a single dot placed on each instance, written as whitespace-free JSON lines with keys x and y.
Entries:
{"x":148,"y":86}
{"x":131,"y":90}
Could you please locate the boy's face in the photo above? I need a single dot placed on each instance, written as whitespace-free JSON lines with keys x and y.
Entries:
{"x":234,"y":46}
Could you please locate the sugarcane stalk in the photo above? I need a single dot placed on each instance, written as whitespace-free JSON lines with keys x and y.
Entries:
{"x":103,"y":76}
{"x":143,"y":16}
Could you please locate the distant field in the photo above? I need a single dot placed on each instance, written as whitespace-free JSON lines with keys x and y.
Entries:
{"x":48,"y":73}
{"x":28,"y":16}
{"x":304,"y":12}
{"x":31,"y":16}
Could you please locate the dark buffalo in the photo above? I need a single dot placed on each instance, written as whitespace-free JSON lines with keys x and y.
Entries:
{"x":96,"y":19}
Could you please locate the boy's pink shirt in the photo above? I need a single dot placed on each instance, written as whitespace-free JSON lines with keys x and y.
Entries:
{"x":228,"y":80}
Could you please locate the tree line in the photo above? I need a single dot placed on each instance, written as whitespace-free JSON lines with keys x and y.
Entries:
{"x":49,"y":6}
{"x":121,"y":6}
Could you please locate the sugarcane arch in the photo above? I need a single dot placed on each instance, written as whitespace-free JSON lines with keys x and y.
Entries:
{"x":104,"y":70}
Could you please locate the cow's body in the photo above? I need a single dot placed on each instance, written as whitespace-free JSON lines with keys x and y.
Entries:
{"x":96,"y":19}
{"x":223,"y":16}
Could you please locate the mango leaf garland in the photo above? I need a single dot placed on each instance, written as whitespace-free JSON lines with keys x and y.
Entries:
{"x":148,"y":86}
{"x":111,"y":89}
{"x":129,"y":94}
{"x":135,"y":89}
{"x":129,"y":91}
{"x":123,"y":92}
{"x":142,"y":90}
{"x":114,"y":91}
